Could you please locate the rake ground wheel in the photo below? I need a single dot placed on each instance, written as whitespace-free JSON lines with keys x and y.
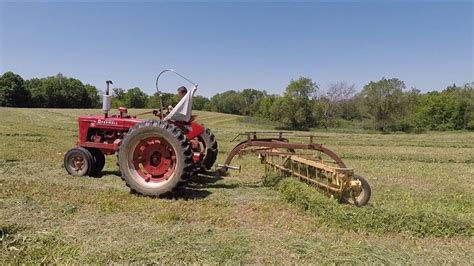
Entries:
{"x":208,"y":145}
{"x":153,"y":157}
{"x":98,"y":161}
{"x":360,"y":197}
{"x":78,"y":162}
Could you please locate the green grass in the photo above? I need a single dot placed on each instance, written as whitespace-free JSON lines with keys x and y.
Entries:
{"x":421,"y":211}
{"x":416,"y":220}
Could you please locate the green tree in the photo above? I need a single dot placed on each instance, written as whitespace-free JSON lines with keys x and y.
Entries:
{"x":404,"y":120}
{"x":153,"y":101}
{"x":410,"y":100}
{"x":63,"y":92}
{"x":468,"y":96}
{"x":74,"y":93}
{"x":294,"y":109}
{"x":93,"y":94}
{"x":199,"y":102}
{"x":13,"y":91}
{"x":350,"y":109}
{"x":166,"y":98}
{"x":37,"y":92}
{"x":282,"y":110}
{"x":383,"y":100}
{"x":53,"y":87}
{"x":446,"y":110}
{"x":118,"y":97}
{"x":230,"y":102}
{"x":59,"y":92}
{"x":135,"y":98}
{"x":264,"y":108}
{"x":215,"y":104}
{"x":252,"y":99}
{"x":301,"y":89}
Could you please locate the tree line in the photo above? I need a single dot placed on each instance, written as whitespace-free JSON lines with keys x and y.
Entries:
{"x":49,"y":92}
{"x":64,"y":92}
{"x":384,"y":105}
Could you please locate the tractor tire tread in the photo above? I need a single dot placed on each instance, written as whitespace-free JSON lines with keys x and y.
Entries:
{"x":98,"y":161}
{"x":184,"y":143}
{"x":212,"y":149}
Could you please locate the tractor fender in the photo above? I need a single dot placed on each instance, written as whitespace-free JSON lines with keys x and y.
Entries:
{"x":196,"y":130}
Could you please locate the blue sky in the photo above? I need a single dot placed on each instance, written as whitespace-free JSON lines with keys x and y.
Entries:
{"x":238,"y":45}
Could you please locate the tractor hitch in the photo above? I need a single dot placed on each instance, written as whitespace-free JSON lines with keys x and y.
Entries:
{"x":225,"y":167}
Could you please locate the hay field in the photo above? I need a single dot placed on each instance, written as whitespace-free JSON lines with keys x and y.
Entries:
{"x":421,"y":211}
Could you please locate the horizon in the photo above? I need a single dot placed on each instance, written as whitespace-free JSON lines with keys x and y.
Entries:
{"x":234,"y":46}
{"x":318,"y":90}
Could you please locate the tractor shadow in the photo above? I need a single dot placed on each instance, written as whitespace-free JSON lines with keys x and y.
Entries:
{"x":194,"y":188}
{"x":107,"y":172}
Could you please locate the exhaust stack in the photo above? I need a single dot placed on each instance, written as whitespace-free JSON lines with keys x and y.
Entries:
{"x":107,"y":99}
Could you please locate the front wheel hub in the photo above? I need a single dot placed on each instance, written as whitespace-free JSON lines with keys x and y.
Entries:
{"x":77,"y":163}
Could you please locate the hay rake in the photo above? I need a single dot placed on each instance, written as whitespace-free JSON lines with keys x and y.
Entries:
{"x":310,"y":162}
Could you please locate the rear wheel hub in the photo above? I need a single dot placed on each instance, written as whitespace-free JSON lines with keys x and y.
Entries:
{"x":154,"y":159}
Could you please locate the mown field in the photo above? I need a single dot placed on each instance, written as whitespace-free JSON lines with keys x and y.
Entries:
{"x":421,"y":211}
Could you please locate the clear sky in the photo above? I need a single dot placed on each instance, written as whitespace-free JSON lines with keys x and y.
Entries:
{"x":238,"y":45}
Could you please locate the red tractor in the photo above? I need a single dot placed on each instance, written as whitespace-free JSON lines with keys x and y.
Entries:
{"x":153,"y":155}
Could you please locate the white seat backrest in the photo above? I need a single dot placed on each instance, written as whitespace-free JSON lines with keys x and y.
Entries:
{"x":182,"y":111}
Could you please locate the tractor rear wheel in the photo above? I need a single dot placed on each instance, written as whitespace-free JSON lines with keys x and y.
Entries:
{"x":153,"y":157}
{"x":208,"y":146}
{"x":78,"y":162}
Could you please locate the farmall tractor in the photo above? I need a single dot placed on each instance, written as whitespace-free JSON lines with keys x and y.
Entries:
{"x":153,"y":155}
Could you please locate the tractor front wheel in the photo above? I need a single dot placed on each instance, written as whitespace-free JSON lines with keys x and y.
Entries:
{"x":78,"y":162}
{"x":153,"y":157}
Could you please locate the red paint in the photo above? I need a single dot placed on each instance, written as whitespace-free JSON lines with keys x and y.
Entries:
{"x":107,"y":130}
{"x":106,"y":134}
{"x":154,"y":159}
{"x":197,"y":129}
{"x":197,"y":156}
